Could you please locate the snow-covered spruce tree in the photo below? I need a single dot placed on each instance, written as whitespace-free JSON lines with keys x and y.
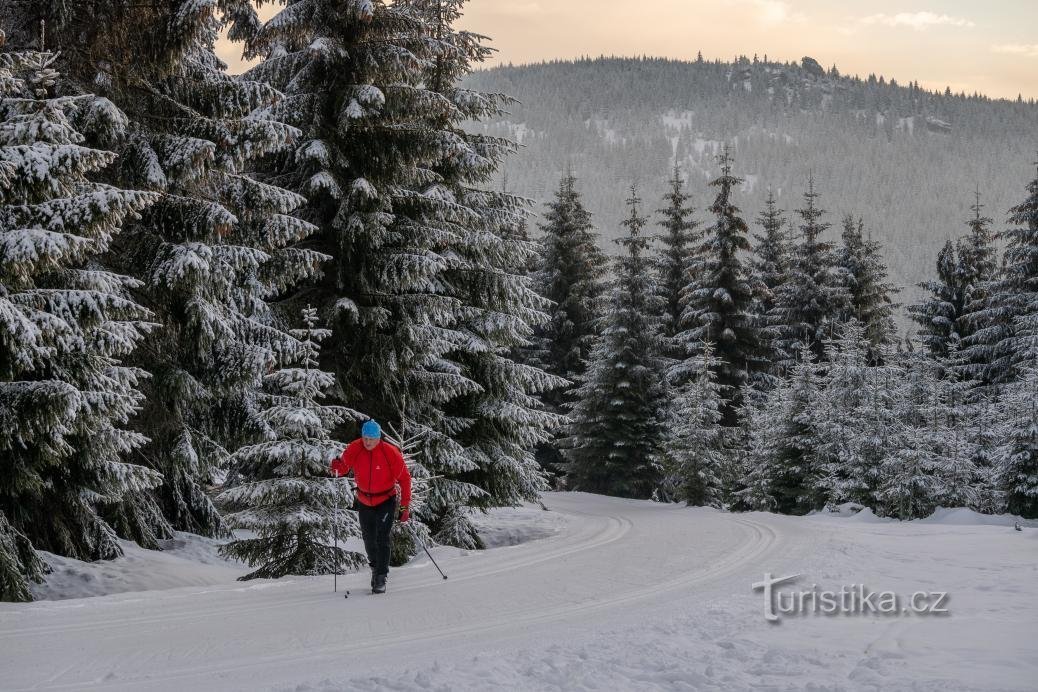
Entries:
{"x":964,"y":272}
{"x":678,"y":243}
{"x":1016,"y":457}
{"x":977,"y":267}
{"x":614,"y":443}
{"x":572,"y":275}
{"x":66,"y":324}
{"x":352,"y":74}
{"x":994,"y":349}
{"x":814,"y":295}
{"x":770,"y":262}
{"x":758,"y":423}
{"x":791,"y":467}
{"x":927,"y":463}
{"x":211,"y":252}
{"x":719,"y":302}
{"x":694,"y":452}
{"x":505,"y":421}
{"x":424,"y":297}
{"x":939,"y":313}
{"x":855,"y":418}
{"x":288,"y":501}
{"x":870,"y":299}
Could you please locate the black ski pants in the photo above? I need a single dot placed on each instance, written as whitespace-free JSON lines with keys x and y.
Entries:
{"x":376,"y":525}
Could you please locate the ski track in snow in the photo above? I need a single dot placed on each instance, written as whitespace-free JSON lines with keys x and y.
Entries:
{"x":624,"y":595}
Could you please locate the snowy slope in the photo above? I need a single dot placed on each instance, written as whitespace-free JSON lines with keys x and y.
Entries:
{"x":617,"y":594}
{"x":186,"y":560}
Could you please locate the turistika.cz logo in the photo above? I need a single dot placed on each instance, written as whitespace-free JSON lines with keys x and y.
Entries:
{"x":852,"y":599}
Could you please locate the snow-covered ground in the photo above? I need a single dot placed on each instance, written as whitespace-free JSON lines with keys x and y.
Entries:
{"x":598,"y":593}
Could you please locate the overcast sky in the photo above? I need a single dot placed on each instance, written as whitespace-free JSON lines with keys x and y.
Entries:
{"x":989,"y":46}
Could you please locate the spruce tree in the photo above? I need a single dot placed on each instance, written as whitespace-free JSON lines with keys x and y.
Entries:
{"x":678,"y":244}
{"x":928,"y":463}
{"x":870,"y":296}
{"x":719,"y":302}
{"x":856,"y":418}
{"x":994,"y":350}
{"x":614,"y":443}
{"x":948,"y":317}
{"x":784,"y":466}
{"x":288,"y":502}
{"x":211,"y":253}
{"x":66,"y":326}
{"x":938,"y":316}
{"x":814,"y":296}
{"x":1016,"y":456}
{"x":978,"y":257}
{"x":505,"y":422}
{"x":572,"y":277}
{"x":695,"y":455}
{"x":424,"y":293}
{"x":759,"y":422}
{"x":770,"y":263}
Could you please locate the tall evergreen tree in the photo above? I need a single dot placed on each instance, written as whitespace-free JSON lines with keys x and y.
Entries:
{"x":572,"y":276}
{"x":719,"y":302}
{"x":212,"y":251}
{"x":978,"y":256}
{"x":771,"y":249}
{"x":870,"y":300}
{"x":1016,"y":456}
{"x":812,"y":299}
{"x":66,"y":325}
{"x":994,"y":348}
{"x":423,"y":293}
{"x":679,"y":242}
{"x":770,"y":263}
{"x":288,"y":501}
{"x":965,"y":269}
{"x":614,"y":444}
{"x":938,"y":316}
{"x":499,"y":305}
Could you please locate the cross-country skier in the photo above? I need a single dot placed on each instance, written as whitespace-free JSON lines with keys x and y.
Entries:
{"x":378,"y":467}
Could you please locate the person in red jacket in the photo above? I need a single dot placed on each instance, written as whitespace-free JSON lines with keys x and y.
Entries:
{"x":378,"y":468}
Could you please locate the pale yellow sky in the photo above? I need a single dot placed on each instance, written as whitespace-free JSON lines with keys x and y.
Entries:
{"x":988,"y":47}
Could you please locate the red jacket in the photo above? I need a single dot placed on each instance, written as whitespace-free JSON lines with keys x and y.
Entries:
{"x":376,"y":472}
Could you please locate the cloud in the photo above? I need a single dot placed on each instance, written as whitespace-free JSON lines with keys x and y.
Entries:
{"x":920,"y":21}
{"x":772,"y":11}
{"x":1027,"y":50}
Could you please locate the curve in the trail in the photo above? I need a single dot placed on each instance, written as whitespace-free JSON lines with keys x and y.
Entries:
{"x":587,"y":535}
{"x":626,"y":551}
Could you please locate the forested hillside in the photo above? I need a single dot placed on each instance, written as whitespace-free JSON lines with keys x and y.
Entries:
{"x":906,"y":160}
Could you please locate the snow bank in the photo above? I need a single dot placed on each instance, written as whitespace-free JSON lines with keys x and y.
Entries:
{"x":505,"y":526}
{"x":952,"y":516}
{"x":186,"y":560}
{"x":962,"y":516}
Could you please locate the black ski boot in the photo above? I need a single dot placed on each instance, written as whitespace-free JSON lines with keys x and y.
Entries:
{"x":379,"y":584}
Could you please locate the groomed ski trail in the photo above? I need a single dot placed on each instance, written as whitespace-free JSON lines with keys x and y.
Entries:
{"x":609,"y":557}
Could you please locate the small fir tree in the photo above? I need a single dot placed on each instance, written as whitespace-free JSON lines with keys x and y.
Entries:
{"x":288,"y":501}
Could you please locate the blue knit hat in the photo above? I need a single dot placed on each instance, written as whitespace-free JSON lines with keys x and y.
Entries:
{"x":370,"y":429}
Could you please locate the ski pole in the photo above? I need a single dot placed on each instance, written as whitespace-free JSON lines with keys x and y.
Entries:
{"x":335,"y":532}
{"x":414,"y":534}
